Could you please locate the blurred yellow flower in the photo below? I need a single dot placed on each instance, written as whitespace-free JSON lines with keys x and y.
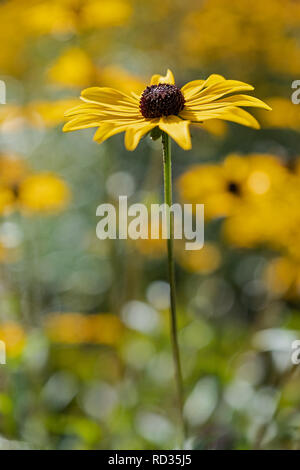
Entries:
{"x":104,"y":328}
{"x":60,"y":16}
{"x":243,"y":35}
{"x":37,"y":114}
{"x":67,"y":328}
{"x":103,"y":13}
{"x":11,"y":55}
{"x":272,"y":220}
{"x":7,"y":200}
{"x":49,"y":16}
{"x":284,"y":114}
{"x":203,"y":261}
{"x":43,"y":192}
{"x":73,"y":68}
{"x":76,"y":328}
{"x":15,"y":117}
{"x":223,"y":188}
{"x":14,"y":338}
{"x":252,"y":226}
{"x":282,"y":277}
{"x":216,"y":127}
{"x":48,"y":113}
{"x":13,"y":170}
{"x":3,"y":253}
{"x":258,"y":195}
{"x":55,"y":18}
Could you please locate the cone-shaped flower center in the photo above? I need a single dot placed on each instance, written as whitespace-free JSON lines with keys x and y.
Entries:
{"x":161,"y":100}
{"x":234,"y":188}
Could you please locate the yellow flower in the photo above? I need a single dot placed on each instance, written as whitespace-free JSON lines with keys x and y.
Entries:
{"x":77,"y":328}
{"x":14,"y":338}
{"x":224,"y":188}
{"x":37,"y":114}
{"x":47,"y":113}
{"x":43,"y":192}
{"x":252,"y":226}
{"x":106,"y":13}
{"x":258,"y":195}
{"x":203,"y":261}
{"x":164,"y":106}
{"x":218,"y":31}
{"x":12,"y":170}
{"x":58,"y":16}
{"x":216,"y":127}
{"x":272,"y":218}
{"x":7,"y":199}
{"x":284,"y":114}
{"x":282,"y":277}
{"x":73,"y":68}
{"x":67,"y":328}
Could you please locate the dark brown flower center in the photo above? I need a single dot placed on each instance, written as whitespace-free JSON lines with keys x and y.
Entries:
{"x":234,"y":188}
{"x":161,"y":100}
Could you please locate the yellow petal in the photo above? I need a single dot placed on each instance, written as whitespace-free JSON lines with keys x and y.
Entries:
{"x":103,"y":110}
{"x":134,"y":134}
{"x":108,"y":96}
{"x":233,"y":114}
{"x":192,"y":85}
{"x":83,"y":108}
{"x":216,"y":91}
{"x":240,"y":116}
{"x":82,"y":122}
{"x":108,"y":129}
{"x":245,"y":100}
{"x":169,"y":79}
{"x":238,"y":100}
{"x":136,"y":96}
{"x":191,"y":88}
{"x":213,"y":79}
{"x":177,"y":129}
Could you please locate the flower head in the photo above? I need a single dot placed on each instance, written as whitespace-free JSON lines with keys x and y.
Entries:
{"x":225,"y":187}
{"x":43,"y":192}
{"x":14,"y":338}
{"x":165,"y":106}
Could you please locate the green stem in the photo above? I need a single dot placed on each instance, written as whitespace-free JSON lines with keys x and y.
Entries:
{"x":166,"y":145}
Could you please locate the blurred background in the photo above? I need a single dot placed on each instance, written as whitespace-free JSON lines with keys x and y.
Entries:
{"x":85,"y":321}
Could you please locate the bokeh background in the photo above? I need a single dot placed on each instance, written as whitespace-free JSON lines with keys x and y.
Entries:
{"x":85,"y":321}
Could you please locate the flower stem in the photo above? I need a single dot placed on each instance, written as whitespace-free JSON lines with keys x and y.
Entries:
{"x":166,"y":145}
